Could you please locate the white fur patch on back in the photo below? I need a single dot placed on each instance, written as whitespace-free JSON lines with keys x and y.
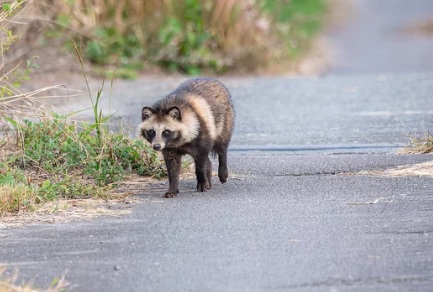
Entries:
{"x":203,"y":110}
{"x":220,"y":126}
{"x":189,"y":126}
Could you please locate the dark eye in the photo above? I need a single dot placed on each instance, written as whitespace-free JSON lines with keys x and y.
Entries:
{"x":151,"y":133}
{"x":166,"y":133}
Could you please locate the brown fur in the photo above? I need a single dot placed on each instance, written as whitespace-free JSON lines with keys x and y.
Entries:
{"x":195,"y":119}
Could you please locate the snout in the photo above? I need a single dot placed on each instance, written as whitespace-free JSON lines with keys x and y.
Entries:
{"x":157,"y":147}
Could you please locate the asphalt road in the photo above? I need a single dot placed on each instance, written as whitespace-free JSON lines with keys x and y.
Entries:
{"x":384,"y":36}
{"x":296,"y":215}
{"x":283,"y":222}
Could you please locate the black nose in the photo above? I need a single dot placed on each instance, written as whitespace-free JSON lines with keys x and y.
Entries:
{"x":157,"y":147}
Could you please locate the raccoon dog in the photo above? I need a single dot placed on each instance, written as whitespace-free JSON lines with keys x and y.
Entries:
{"x":196,"y":118}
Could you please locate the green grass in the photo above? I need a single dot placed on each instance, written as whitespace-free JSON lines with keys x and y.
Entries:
{"x":297,"y":21}
{"x":62,"y":158}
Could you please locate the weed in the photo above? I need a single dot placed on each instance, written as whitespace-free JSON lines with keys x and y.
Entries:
{"x":421,"y":145}
{"x":295,"y":22}
{"x":7,"y":284}
{"x":185,"y":40}
{"x":15,"y":194}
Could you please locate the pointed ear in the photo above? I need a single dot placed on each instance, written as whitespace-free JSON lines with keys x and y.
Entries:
{"x":146,"y":113}
{"x":175,"y":113}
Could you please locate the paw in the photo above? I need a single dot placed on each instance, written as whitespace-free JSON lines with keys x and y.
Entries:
{"x":223,"y":177}
{"x":223,"y":173}
{"x":170,"y":194}
{"x":203,"y":187}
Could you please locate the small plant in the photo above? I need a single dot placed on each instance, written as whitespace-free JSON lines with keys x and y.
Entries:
{"x":7,"y":284}
{"x":185,"y":40}
{"x":421,"y":145}
{"x":295,"y":21}
{"x":15,"y":193}
{"x":109,"y":47}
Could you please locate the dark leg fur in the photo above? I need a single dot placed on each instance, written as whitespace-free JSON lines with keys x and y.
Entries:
{"x":209,"y":172}
{"x":221,"y":150}
{"x":173,"y":163}
{"x":202,"y":164}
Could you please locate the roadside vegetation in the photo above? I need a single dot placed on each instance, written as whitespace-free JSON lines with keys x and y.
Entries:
{"x":45,"y":156}
{"x":56,"y":157}
{"x":420,"y":145}
{"x":8,"y":284}
{"x":188,"y":36}
{"x":50,"y":156}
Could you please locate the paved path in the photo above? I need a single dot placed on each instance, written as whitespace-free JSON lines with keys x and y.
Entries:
{"x":375,"y":38}
{"x":284,"y":222}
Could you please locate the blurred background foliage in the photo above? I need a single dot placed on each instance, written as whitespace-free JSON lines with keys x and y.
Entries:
{"x":187,"y":36}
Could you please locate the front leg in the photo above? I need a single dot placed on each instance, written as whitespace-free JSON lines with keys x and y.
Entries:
{"x":173,"y":163}
{"x":203,"y":171}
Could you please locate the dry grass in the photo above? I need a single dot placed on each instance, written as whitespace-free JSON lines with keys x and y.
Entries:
{"x":15,"y":198}
{"x":238,"y":31}
{"x":240,"y":36}
{"x":420,"y":169}
{"x":420,"y":145}
{"x":16,"y":103}
{"x":88,"y":14}
{"x":237,"y":35}
{"x":229,"y":19}
{"x":424,"y":169}
{"x":70,"y":210}
{"x":31,"y":104}
{"x":8,"y":284}
{"x":420,"y":29}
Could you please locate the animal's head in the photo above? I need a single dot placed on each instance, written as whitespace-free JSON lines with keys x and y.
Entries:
{"x":167,"y":128}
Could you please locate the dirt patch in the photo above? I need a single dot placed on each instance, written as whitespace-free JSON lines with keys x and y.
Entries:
{"x":119,"y":202}
{"x":67,"y":210}
{"x":420,"y":29}
{"x":421,"y":169}
{"x":424,"y":169}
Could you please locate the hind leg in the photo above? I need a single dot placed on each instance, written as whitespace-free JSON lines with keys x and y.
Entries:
{"x":221,"y":150}
{"x":209,"y":172}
